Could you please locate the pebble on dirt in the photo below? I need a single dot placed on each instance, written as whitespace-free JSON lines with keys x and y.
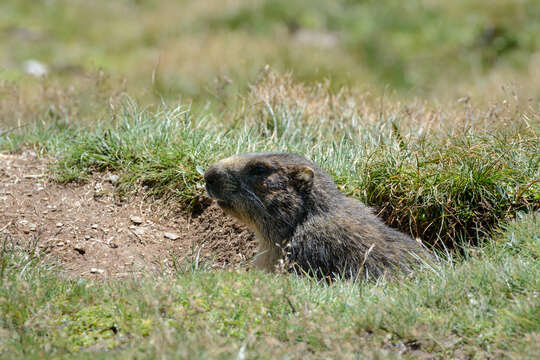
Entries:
{"x":35,"y":68}
{"x":136,"y":219}
{"x":171,"y":236}
{"x":80,"y":250}
{"x":113,"y":179}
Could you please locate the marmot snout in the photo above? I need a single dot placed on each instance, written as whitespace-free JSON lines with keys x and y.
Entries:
{"x":297,"y":212}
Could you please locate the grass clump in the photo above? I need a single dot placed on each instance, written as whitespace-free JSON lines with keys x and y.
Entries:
{"x":46,"y":113}
{"x":457,"y":190}
{"x":486,"y":306}
{"x":160,"y":151}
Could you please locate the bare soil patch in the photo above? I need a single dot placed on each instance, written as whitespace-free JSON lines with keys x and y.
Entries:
{"x":94,"y":233}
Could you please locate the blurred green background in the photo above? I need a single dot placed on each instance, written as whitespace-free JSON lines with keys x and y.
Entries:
{"x":212,"y":49}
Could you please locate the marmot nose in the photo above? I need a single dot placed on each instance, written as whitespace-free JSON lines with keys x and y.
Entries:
{"x":213,"y":178}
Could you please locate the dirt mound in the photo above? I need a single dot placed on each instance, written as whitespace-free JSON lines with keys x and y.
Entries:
{"x":94,"y":233}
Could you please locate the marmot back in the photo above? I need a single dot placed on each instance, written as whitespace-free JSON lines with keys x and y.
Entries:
{"x":298,"y":213}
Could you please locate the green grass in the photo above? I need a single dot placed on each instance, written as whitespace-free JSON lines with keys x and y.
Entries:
{"x":420,"y":37}
{"x":485,"y":305}
{"x":198,"y":51}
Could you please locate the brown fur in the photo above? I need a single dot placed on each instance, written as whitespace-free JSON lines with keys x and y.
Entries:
{"x":299,"y":215}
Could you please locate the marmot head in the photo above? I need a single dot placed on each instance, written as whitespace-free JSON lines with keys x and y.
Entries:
{"x":267,"y":191}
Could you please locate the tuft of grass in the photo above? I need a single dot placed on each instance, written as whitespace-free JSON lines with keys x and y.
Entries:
{"x":39,"y":113}
{"x":485,"y":306}
{"x":458,"y":190}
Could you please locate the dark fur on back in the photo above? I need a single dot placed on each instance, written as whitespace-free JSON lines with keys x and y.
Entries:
{"x":297,"y":211}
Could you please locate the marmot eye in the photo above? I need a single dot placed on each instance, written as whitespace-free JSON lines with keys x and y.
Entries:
{"x":258,"y":169}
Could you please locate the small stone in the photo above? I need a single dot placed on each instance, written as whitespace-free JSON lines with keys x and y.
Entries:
{"x":113,"y":179}
{"x":94,"y":226}
{"x":139,"y":231}
{"x":113,"y":245}
{"x":136,"y":219}
{"x":59,"y":244}
{"x":35,"y":68}
{"x":171,"y":236}
{"x":32,"y":227}
{"x":59,"y":224}
{"x":80,"y":250}
{"x":96,"y":271}
{"x":87,"y":237}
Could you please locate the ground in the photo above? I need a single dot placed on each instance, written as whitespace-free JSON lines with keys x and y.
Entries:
{"x":94,"y":233}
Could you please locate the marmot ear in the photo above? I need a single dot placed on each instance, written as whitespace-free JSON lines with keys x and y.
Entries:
{"x":304,"y":177}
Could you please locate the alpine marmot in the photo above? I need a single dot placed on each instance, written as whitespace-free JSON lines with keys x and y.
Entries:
{"x":299,"y":215}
